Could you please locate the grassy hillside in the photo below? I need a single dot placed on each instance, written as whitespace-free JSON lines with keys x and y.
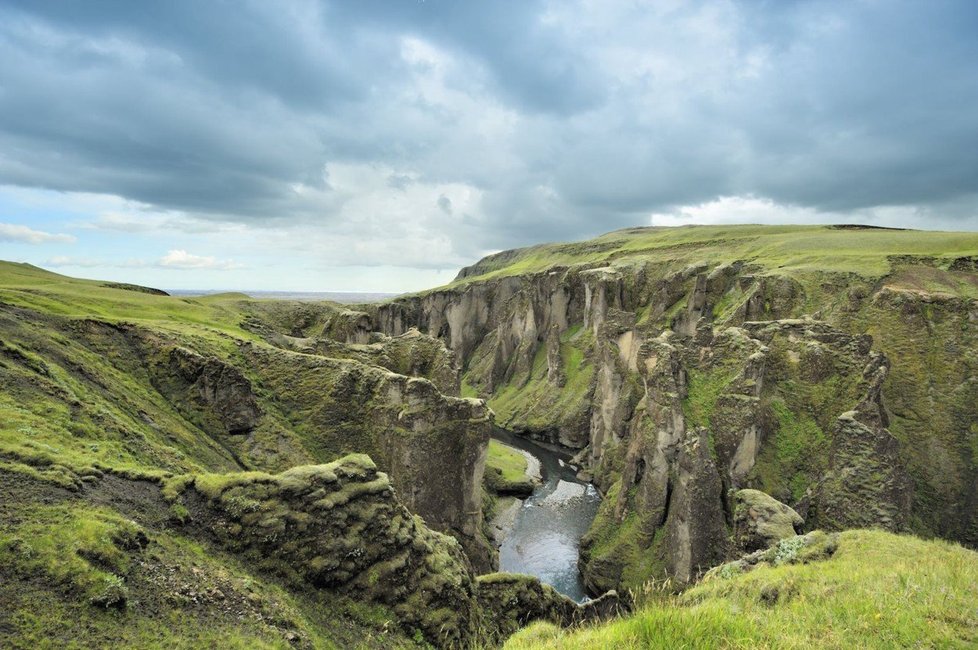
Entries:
{"x":787,"y":249}
{"x":877,"y":590}
{"x":108,"y":391}
{"x":27,"y":286}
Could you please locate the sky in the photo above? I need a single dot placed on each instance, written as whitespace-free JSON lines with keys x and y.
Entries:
{"x":370,"y":145}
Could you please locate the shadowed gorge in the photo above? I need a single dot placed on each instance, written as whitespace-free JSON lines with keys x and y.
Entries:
{"x":747,"y":400}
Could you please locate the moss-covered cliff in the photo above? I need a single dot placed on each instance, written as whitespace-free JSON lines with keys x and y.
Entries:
{"x":176,"y":472}
{"x":831,"y":367}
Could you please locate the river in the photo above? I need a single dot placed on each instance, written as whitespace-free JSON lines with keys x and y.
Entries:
{"x":546,"y":531}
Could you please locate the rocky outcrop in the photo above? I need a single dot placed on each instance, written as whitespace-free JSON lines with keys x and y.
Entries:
{"x":412,"y":353}
{"x":761,"y":521}
{"x":217,"y":389}
{"x":866,"y":484}
{"x":797,"y":549}
{"x":511,"y":601}
{"x":696,"y":534}
{"x":340,"y":527}
{"x":432,"y":446}
{"x":324,"y":330}
{"x":348,"y":326}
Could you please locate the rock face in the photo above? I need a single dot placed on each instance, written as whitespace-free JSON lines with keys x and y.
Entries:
{"x":760,"y":520}
{"x":340,"y":527}
{"x":216,"y":388}
{"x":432,"y":446}
{"x":497,"y":327}
{"x":511,"y":601}
{"x":412,"y":354}
{"x":682,"y":385}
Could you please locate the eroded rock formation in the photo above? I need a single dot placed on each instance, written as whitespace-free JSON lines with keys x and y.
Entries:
{"x":681,"y":385}
{"x":340,"y":527}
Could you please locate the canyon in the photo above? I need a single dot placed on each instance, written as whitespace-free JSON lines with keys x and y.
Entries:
{"x":323,"y":467}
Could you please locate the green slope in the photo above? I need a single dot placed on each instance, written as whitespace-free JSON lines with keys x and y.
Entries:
{"x":878,"y":590}
{"x":27,"y":286}
{"x":786,"y":249}
{"x":98,"y":404}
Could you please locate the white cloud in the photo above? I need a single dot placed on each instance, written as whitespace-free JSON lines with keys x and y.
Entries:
{"x":64,"y":260}
{"x":181,"y":259}
{"x":760,"y":210}
{"x":59,"y":261}
{"x":12,"y":232}
{"x":367,"y":221}
{"x":142,"y":219}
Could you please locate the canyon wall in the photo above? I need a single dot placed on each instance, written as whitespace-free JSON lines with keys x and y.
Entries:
{"x":850,"y":398}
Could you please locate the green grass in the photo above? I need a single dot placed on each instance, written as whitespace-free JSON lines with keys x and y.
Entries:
{"x":795,"y":457}
{"x":28,"y":286}
{"x":703,"y":390}
{"x":79,"y":390}
{"x":785,"y":249}
{"x":82,"y":550}
{"x":509,"y":462}
{"x":86,"y":400}
{"x":878,"y":590}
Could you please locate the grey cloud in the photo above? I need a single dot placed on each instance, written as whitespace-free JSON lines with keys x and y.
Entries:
{"x":399,"y":181}
{"x":444,"y":204}
{"x":569,"y":118}
{"x":16,"y":233}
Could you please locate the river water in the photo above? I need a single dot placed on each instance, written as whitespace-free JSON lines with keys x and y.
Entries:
{"x":546,"y":532}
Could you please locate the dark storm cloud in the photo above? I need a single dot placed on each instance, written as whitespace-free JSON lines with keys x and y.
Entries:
{"x":568,"y":118}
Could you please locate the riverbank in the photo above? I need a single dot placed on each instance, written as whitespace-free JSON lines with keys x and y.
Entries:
{"x":540,"y":535}
{"x":511,"y":475}
{"x":511,"y":471}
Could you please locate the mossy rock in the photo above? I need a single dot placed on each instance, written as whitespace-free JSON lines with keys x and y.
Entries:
{"x":761,"y":520}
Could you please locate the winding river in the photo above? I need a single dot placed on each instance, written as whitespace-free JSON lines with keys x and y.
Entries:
{"x":544,"y":536}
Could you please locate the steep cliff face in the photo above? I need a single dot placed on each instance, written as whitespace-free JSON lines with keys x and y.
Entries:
{"x":846,"y":393}
{"x":433,"y":446}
